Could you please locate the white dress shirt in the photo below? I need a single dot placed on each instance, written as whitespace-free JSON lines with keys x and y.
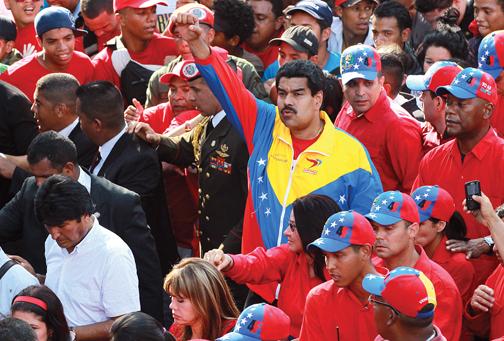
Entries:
{"x":106,"y":148}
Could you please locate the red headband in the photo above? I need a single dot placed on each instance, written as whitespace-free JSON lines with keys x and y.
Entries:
{"x":28,"y":299}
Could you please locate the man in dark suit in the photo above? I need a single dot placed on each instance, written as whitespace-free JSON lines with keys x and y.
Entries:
{"x":119,"y":210}
{"x":126,"y":160}
{"x":54,"y":109}
{"x":17,"y":129}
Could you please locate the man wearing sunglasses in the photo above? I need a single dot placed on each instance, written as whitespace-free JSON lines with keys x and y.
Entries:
{"x":395,"y":220}
{"x":404,"y":302}
{"x":346,"y":243}
{"x":24,"y":12}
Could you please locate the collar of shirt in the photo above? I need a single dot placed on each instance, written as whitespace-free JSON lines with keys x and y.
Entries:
{"x":84,"y":179}
{"x":68,"y":129}
{"x":107,"y":147}
{"x":376,"y":111}
{"x":218,"y":117}
{"x":88,"y":238}
{"x":481,"y":148}
{"x":336,"y":38}
{"x":3,"y":257}
{"x":424,"y":262}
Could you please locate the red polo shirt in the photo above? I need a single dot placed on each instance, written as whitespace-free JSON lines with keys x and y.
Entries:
{"x":490,"y":323}
{"x":25,"y":73}
{"x":278,"y":265}
{"x":431,"y":138}
{"x":448,"y":315}
{"x":334,"y":313}
{"x":458,"y":267}
{"x":443,"y":166}
{"x":152,"y":57}
{"x":497,"y":119}
{"x":392,"y":138}
{"x":439,"y":336}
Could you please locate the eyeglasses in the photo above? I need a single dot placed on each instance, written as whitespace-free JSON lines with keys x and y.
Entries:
{"x":374,"y":301}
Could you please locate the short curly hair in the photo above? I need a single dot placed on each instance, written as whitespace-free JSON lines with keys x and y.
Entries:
{"x":228,"y":13}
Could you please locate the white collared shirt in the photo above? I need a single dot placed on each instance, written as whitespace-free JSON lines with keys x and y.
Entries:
{"x":14,"y":280}
{"x":217,"y":118}
{"x":97,"y":280}
{"x":336,"y":38}
{"x":68,"y":129}
{"x":106,"y":148}
{"x":84,"y":179}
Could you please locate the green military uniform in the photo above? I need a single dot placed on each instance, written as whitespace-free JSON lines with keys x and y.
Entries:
{"x":157,"y":92}
{"x":221,"y":157}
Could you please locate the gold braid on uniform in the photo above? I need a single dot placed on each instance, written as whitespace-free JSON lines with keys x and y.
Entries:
{"x":197,"y":139}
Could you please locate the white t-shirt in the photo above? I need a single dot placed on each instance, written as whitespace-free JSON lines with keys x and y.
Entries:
{"x":14,"y":280}
{"x":97,"y":280}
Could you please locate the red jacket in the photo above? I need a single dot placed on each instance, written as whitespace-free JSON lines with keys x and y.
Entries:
{"x":490,"y":323}
{"x":438,"y":337}
{"x":392,"y":137}
{"x":278,"y":265}
{"x":448,"y":315}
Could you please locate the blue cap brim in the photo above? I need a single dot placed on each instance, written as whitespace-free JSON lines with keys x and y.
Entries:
{"x":233,"y":336}
{"x":328,"y":245}
{"x":367,"y":75}
{"x":455,"y":91}
{"x":416,"y":83}
{"x":373,"y":284}
{"x":306,"y":10}
{"x":382,"y":219}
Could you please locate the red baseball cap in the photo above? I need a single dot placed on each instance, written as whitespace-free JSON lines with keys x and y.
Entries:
{"x":120,"y":4}
{"x":343,"y":229}
{"x":185,"y":69}
{"x":406,"y":289}
{"x":203,"y":13}
{"x":393,"y":206}
{"x":434,"y":202}
{"x":440,"y":73}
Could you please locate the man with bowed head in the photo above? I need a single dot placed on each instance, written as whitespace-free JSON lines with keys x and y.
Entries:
{"x":294,"y":149}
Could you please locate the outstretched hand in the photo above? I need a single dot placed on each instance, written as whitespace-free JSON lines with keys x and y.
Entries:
{"x":145,"y":132}
{"x":187,"y":26}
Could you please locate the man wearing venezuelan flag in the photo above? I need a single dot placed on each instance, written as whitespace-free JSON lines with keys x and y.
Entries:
{"x":294,"y":148}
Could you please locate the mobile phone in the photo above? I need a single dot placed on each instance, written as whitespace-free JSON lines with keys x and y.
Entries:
{"x":472,"y":188}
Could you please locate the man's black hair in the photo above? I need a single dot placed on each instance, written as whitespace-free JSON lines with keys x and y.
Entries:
{"x":393,"y":66}
{"x":277,"y":7}
{"x":425,"y":6}
{"x":101,"y":100}
{"x":228,"y":13}
{"x":54,"y":147}
{"x":303,"y":69}
{"x":61,"y":198}
{"x":12,"y":329}
{"x":395,"y":10}
{"x":59,"y":88}
{"x":93,"y":8}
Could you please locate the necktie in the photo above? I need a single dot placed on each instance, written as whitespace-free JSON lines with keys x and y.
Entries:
{"x":95,"y":162}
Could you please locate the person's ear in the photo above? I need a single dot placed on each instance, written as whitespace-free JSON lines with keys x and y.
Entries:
{"x":439,"y":103}
{"x":68,"y":169}
{"x":388,"y":89}
{"x":279,"y":22}
{"x":211,"y":36}
{"x":440,"y":226}
{"x":366,"y":252}
{"x":121,"y":19}
{"x":319,"y":99}
{"x":391,"y":318}
{"x":324,"y":36}
{"x":488,"y":110}
{"x":60,"y":110}
{"x":405,"y":34}
{"x":314,"y":59}
{"x":9,"y":46}
{"x":413,"y":230}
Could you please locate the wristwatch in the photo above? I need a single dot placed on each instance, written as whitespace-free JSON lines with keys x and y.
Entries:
{"x":490,"y":242}
{"x":72,"y":334}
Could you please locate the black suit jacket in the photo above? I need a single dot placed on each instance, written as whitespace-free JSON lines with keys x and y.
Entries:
{"x":119,"y":210}
{"x":134,"y":164}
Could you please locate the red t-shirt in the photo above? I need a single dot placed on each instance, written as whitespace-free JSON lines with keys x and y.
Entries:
{"x":439,"y":336}
{"x":490,"y":323}
{"x":300,"y":145}
{"x":431,"y":138}
{"x":26,"y":40}
{"x":334,"y":313}
{"x":443,"y":166}
{"x":456,"y":264}
{"x":391,"y":136}
{"x":497,"y":119}
{"x":448,"y":315}
{"x":152,"y":57}
{"x":278,"y":265}
{"x":177,"y":330}
{"x":25,"y":73}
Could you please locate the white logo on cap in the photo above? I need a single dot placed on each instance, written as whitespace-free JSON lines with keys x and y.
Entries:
{"x":307,"y":42}
{"x":198,"y":13}
{"x":189,"y":70}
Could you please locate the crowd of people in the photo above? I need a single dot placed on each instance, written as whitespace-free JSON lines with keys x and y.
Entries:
{"x":251,"y":170}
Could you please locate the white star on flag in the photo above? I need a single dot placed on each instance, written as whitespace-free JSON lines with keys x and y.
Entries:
{"x":471,"y":73}
{"x":417,"y":198}
{"x":371,"y":276}
{"x":356,"y":66}
{"x":426,"y":195}
{"x":244,"y":321}
{"x":456,"y":81}
{"x":384,"y":202}
{"x":249,"y":316}
{"x":268,"y":211}
{"x":485,"y":46}
{"x":463,"y":76}
{"x":365,"y":54}
{"x":237,"y":328}
{"x":487,"y":53}
{"x":342,"y":199}
{"x":319,"y":241}
{"x":326,"y":232}
{"x":333,"y":224}
{"x":260,"y":180}
{"x":482,"y":58}
{"x":261,"y":162}
{"x":377,"y":207}
{"x":263,"y":196}
{"x":341,"y":220}
{"x":372,"y":215}
{"x":361,"y":59}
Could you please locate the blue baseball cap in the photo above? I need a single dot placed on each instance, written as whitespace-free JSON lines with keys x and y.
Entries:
{"x":393,"y":206}
{"x":471,"y":83}
{"x":260,"y":322}
{"x":491,"y":54}
{"x":433,"y":202}
{"x":343,"y":229}
{"x":360,"y":61}
{"x":439,"y":74}
{"x":318,"y":9}
{"x":54,"y":17}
